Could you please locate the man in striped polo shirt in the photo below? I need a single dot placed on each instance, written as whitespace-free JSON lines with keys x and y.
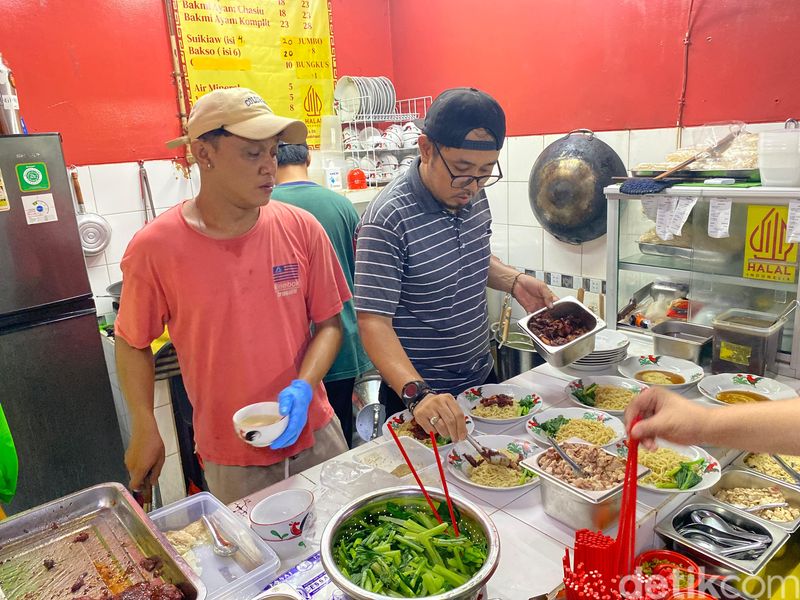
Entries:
{"x":423,"y":263}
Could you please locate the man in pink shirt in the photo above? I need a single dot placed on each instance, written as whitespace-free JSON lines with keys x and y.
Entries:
{"x":239,"y":280}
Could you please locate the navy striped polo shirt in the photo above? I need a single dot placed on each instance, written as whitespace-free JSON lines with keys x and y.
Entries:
{"x":427,"y":268}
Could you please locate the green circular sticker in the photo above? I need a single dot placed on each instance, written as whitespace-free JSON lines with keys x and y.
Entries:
{"x":32,"y":176}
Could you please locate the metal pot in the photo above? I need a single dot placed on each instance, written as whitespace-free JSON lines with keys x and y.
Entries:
{"x":370,"y":413}
{"x":516,"y":356}
{"x":468,"y":591}
{"x":115,"y":292}
{"x":566,"y":186}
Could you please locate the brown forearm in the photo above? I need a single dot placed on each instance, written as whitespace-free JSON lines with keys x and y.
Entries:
{"x":760,"y":427}
{"x":385,"y":351}
{"x":501,"y":276}
{"x":136,"y":372}
{"x":321,"y":351}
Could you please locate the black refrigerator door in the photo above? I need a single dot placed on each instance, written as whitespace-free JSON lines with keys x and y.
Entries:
{"x":57,"y":398}
{"x":41,"y":260}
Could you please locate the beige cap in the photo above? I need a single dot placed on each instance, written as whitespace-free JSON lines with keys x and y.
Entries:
{"x":242,"y":112}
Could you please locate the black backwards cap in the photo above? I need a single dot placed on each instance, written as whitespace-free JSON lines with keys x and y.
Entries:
{"x":457,"y":111}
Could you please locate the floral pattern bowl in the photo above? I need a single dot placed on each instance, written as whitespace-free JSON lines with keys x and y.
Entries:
{"x":528,"y":401}
{"x":460,"y":466}
{"x":535,"y":430}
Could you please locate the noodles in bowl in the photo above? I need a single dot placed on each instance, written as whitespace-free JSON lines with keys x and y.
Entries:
{"x":489,"y":475}
{"x":475,"y":469}
{"x":593,"y":432}
{"x":676,"y":468}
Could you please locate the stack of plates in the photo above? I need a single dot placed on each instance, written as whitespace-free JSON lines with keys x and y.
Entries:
{"x":363,"y":96}
{"x":610,"y":348}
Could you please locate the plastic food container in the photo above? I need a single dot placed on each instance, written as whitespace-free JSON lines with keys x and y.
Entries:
{"x":779,"y":157}
{"x":746,"y":341}
{"x":387,"y":457}
{"x":238,"y":577}
{"x":674,"y":558}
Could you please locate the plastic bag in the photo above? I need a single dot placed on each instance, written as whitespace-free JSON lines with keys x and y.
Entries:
{"x":9,"y":463}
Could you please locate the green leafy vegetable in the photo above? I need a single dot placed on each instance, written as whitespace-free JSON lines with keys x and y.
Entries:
{"x":401,"y":550}
{"x":685,"y":476}
{"x":586,"y":395}
{"x":552,"y":426}
{"x":526,"y":405}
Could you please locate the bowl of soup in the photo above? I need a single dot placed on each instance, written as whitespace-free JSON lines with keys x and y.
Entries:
{"x":661,"y":370}
{"x":259,"y":424}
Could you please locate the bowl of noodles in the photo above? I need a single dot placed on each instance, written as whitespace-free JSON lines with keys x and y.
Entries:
{"x":609,"y":393}
{"x":589,"y":425}
{"x":404,"y":424}
{"x":469,"y":467}
{"x":500,"y":403}
{"x":663,"y":371}
{"x":675,"y":469}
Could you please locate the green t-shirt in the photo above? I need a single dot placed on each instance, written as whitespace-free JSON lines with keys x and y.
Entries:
{"x":339,"y":219}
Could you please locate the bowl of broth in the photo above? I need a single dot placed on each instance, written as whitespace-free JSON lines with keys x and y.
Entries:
{"x":660,"y":370}
{"x":259,"y":424}
{"x":740,"y":397}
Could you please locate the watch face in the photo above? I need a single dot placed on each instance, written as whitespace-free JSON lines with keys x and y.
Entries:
{"x":410,"y":390}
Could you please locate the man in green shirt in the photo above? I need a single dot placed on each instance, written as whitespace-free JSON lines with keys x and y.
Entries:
{"x":339,"y":219}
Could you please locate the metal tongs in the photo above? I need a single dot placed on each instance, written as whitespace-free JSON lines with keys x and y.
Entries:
{"x":492,"y":456}
{"x":786,"y":467}
{"x":567,"y":458}
{"x":505,"y":320}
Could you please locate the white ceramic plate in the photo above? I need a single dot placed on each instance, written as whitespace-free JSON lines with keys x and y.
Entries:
{"x":709,"y":468}
{"x":399,"y":418}
{"x":472,"y":397}
{"x":460,"y":467}
{"x":592,"y":368}
{"x":348,"y":96}
{"x":743,"y":382}
{"x":534,"y":429}
{"x":635,"y":365}
{"x":584,"y":382}
{"x":610,"y":341}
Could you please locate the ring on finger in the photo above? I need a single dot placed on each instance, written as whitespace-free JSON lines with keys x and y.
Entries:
{"x":435,"y":419}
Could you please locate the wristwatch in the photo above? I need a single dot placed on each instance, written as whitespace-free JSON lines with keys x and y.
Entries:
{"x":413,"y":393}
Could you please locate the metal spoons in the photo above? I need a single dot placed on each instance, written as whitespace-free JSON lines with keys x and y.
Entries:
{"x":222,"y":547}
{"x":714,"y":521}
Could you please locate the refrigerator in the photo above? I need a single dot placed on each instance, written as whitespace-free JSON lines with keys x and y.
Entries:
{"x":54,"y":386}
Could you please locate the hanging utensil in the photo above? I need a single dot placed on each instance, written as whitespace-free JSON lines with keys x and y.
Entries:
{"x":147,"y":194}
{"x":94,"y":230}
{"x":505,"y":320}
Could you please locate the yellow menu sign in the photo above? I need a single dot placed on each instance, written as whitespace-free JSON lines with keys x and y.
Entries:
{"x":282,"y":49}
{"x":766,"y":254}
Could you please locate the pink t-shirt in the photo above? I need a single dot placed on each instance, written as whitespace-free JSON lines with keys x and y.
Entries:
{"x":238,"y":312}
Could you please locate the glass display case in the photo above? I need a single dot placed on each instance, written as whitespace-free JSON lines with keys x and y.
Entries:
{"x":655,"y":275}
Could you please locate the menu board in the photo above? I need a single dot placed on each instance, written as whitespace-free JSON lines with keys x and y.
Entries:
{"x":282,"y":49}
{"x":767,"y":255}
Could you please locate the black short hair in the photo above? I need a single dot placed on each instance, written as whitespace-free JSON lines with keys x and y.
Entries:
{"x":212,"y":136}
{"x":292,"y":154}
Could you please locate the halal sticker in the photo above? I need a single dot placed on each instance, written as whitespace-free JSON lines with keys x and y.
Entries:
{"x":33,"y":177}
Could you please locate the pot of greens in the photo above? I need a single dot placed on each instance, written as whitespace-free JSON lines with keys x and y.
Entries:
{"x":389,"y":544}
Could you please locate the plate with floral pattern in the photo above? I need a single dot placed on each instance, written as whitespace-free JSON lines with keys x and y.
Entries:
{"x":741,"y":388}
{"x":463,"y":461}
{"x":403,"y":423}
{"x":551,"y":421}
{"x":523,"y":402}
{"x":663,"y":371}
{"x":667,"y":471}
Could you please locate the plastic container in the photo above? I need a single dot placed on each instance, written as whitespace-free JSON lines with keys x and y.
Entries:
{"x":779,"y":158}
{"x":746,"y":341}
{"x":387,"y":457}
{"x":239,"y":577}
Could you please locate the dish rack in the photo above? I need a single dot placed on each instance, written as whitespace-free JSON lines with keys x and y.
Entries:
{"x":378,"y":155}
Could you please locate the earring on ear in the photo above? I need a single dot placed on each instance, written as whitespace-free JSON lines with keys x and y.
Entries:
{"x":210,"y":166}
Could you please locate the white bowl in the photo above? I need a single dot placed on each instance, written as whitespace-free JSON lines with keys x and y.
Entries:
{"x":263,"y":436}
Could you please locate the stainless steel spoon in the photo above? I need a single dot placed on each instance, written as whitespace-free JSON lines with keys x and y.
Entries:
{"x":713,"y":520}
{"x":222,"y":546}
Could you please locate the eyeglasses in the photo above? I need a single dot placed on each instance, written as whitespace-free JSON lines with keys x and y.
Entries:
{"x":463,"y":181}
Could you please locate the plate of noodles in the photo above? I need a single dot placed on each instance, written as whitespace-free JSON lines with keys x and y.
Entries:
{"x":608,"y":393}
{"x":500,"y":403}
{"x":663,"y":371}
{"x":743,"y":388}
{"x":592,"y":426}
{"x":404,"y":424}
{"x":469,"y":467}
{"x":675,"y":469}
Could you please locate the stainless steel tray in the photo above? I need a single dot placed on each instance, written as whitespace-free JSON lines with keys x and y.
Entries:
{"x":732,"y":478}
{"x":560,"y":356}
{"x":738,"y":174}
{"x":667,"y":529}
{"x":664,"y":250}
{"x":682,"y":339}
{"x":119,"y":536}
{"x":739,"y":463}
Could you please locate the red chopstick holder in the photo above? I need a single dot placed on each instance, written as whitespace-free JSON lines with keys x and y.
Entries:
{"x":444,"y":483}
{"x":414,"y":473}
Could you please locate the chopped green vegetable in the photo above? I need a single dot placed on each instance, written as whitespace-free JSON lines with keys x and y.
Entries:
{"x":525,"y":405}
{"x":381,"y":551}
{"x":685,"y":476}
{"x":586,"y":395}
{"x":552,"y":426}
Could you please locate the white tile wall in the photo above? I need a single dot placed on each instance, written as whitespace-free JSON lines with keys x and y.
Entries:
{"x":519,"y":206}
{"x":560,"y":257}
{"x":525,"y":247}
{"x":651,"y":145}
{"x":522,"y":153}
{"x":498,"y":202}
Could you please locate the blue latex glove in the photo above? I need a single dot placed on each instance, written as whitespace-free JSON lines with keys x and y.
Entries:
{"x":293,"y":401}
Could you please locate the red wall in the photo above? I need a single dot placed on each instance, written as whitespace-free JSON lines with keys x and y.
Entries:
{"x":556,"y":65}
{"x":101,"y":74}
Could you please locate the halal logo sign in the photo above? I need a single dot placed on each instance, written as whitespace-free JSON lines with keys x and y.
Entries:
{"x":767,"y":253}
{"x":768,"y":239}
{"x":312,"y":103}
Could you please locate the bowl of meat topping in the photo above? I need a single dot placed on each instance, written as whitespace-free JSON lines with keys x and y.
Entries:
{"x":564,"y":333}
{"x":500,"y":403}
{"x":589,"y":501}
